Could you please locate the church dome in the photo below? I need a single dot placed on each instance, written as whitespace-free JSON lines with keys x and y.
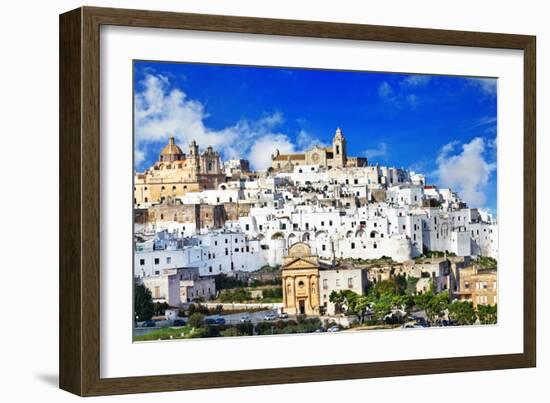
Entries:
{"x":171,"y":152}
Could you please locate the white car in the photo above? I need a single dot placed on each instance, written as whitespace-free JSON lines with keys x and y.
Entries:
{"x":333,"y":329}
{"x":270,"y":316}
{"x":245,"y":319}
{"x":283,"y":315}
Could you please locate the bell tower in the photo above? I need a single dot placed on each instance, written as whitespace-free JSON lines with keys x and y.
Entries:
{"x":339,"y":149}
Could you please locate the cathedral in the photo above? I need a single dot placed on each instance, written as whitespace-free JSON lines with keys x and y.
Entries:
{"x":176,"y":173}
{"x":327,"y":157}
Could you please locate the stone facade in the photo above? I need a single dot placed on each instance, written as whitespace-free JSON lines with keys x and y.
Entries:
{"x":300,"y":274}
{"x":175,"y":174}
{"x":202,"y":216}
{"x":477,"y":286}
{"x":327,"y":157}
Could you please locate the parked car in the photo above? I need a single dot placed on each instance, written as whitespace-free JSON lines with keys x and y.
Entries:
{"x":149,"y":323}
{"x":412,"y":326}
{"x":333,"y":329}
{"x":283,"y":315}
{"x":270,"y":316}
{"x":178,"y":322}
{"x":320,"y":330}
{"x":219,"y":321}
{"x":245,"y":319}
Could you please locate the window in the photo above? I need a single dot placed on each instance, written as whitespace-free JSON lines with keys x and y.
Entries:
{"x":168,"y":259}
{"x":173,"y":188}
{"x":330,"y":223}
{"x":325,"y":284}
{"x":247,"y":227}
{"x":210,"y":269}
{"x":156,"y":293}
{"x":141,"y":262}
{"x":353,"y":245}
{"x":350,"y":282}
{"x":322,"y":223}
{"x":337,"y":282}
{"x":466,"y":285}
{"x":248,"y":248}
{"x":324,"y":247}
{"x":157,"y":260}
{"x":226,"y":251}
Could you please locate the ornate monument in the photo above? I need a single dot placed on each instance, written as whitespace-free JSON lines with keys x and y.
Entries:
{"x":300,"y":274}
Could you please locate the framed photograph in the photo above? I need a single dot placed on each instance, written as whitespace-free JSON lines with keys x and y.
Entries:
{"x":248,"y":201}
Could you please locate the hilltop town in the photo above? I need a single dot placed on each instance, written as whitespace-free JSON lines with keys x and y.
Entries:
{"x":317,"y":240}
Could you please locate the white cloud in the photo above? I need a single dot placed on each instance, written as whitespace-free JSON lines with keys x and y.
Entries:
{"x":161,"y":112}
{"x":466,"y":172}
{"x":415,"y":81}
{"x":306,"y":141}
{"x":262,"y":149}
{"x":402,"y":95}
{"x":139,"y":156}
{"x":385,"y":91}
{"x":412,"y":100}
{"x":487,"y":86}
{"x":379,"y":152}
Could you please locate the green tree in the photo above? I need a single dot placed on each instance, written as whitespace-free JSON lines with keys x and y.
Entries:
{"x":337,"y":298}
{"x":437,"y":305}
{"x":382,"y":306}
{"x":231,"y":332}
{"x":487,"y":314}
{"x":143,"y":303}
{"x":462,"y":312}
{"x":160,"y":308}
{"x":235,"y":295}
{"x":196,"y":320}
{"x":411,"y":285}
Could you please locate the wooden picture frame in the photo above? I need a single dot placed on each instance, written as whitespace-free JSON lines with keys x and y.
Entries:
{"x":79,"y":346}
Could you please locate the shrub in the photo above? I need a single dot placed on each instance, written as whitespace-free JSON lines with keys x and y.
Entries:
{"x":196,"y":320}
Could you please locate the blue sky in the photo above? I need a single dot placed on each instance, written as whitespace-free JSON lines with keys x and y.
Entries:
{"x":444,"y":127}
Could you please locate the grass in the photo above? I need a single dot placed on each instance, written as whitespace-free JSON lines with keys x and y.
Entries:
{"x":166,"y":333}
{"x":359,"y":261}
{"x":486,"y":262}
